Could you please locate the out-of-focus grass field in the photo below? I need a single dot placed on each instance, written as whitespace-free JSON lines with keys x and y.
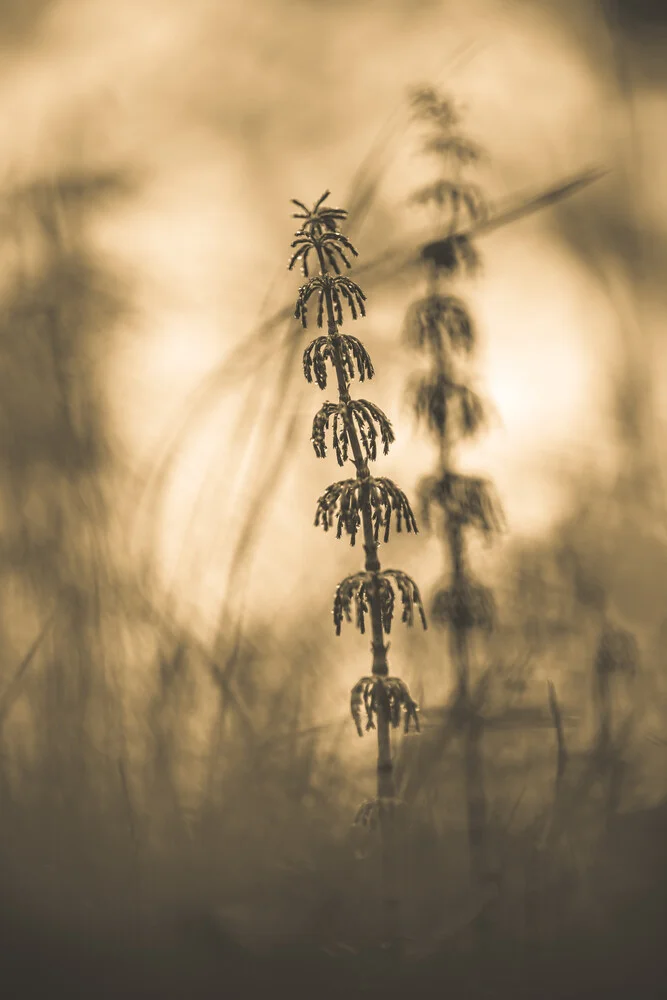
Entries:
{"x":178,"y":768}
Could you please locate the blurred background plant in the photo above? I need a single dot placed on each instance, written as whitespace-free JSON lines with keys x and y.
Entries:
{"x":440,"y":326}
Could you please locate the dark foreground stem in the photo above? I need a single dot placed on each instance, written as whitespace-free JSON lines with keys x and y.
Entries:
{"x":386,"y":787}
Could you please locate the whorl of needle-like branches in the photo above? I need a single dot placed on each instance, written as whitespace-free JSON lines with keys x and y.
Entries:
{"x":467,"y":500}
{"x":343,"y":503}
{"x":352,"y":356}
{"x":371,"y":694}
{"x":441,"y":115}
{"x":332,"y":288}
{"x":451,"y":254}
{"x":429,"y":105}
{"x":454,"y":147}
{"x":465,"y":201}
{"x":364,"y":416}
{"x":329,"y":247}
{"x":354,"y":593}
{"x":320,"y":217}
{"x":432,"y":399}
{"x":466,"y":605}
{"x":438,"y":323}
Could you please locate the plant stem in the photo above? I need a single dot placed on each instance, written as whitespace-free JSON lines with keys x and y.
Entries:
{"x":365,"y":503}
{"x":458,"y":631}
{"x":386,"y":787}
{"x":561,"y":760}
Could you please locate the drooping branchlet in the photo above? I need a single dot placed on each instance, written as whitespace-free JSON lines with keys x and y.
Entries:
{"x":381,"y":500}
{"x":433,"y":399}
{"x":365,"y":416}
{"x":466,"y":500}
{"x":370,"y":694}
{"x":354,"y":591}
{"x":351,"y":355}
{"x":438,"y":318}
{"x":333,"y":289}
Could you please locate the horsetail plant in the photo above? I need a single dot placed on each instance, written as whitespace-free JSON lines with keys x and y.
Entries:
{"x":364,"y":505}
{"x":440,"y":326}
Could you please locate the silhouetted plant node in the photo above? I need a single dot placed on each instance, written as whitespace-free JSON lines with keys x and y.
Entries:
{"x":429,"y":105}
{"x":467,"y":500}
{"x":456,"y":147}
{"x":370,"y":694}
{"x":333,"y":289}
{"x":465,"y":605}
{"x":449,"y":255}
{"x":354,"y":592}
{"x":351,"y":353}
{"x":433,"y":395}
{"x":329,"y":247}
{"x":344,"y":501}
{"x":364,"y":416}
{"x":440,"y":321}
{"x":458,"y":197}
{"x":320,"y":218}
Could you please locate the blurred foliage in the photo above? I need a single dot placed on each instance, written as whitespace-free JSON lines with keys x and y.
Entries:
{"x":140,"y":816}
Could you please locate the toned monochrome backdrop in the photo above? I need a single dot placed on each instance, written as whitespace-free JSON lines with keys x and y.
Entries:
{"x":179,"y":769}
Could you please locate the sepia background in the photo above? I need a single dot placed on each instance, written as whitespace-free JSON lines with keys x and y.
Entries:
{"x":177,"y":761}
